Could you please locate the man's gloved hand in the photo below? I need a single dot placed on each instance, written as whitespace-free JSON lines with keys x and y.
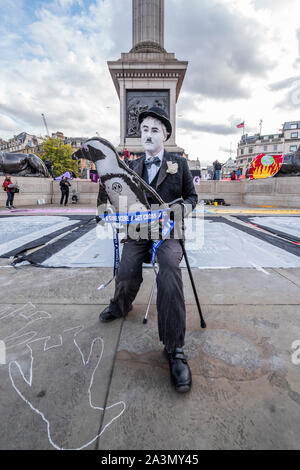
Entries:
{"x":186,"y":208}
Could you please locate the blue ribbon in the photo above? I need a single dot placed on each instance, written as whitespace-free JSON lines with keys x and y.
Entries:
{"x":133,"y":217}
{"x":166,"y":230}
{"x":137,"y":218}
{"x":116,"y":251}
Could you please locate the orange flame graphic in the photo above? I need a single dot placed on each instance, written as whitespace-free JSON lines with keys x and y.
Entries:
{"x":265,"y":171}
{"x":259,"y":170}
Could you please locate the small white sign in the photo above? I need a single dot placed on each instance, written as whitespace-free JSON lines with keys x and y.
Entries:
{"x":2,"y":353}
{"x":41,"y":202}
{"x":197,"y":181}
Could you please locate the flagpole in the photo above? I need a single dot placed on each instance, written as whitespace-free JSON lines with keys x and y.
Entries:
{"x":242,"y":126}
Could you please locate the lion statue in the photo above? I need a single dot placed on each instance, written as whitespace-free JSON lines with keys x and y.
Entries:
{"x":22,"y":164}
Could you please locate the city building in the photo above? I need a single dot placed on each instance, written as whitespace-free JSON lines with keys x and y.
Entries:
{"x":28,"y":143}
{"x":228,"y":167}
{"x":22,"y":143}
{"x":286,"y":140}
{"x":193,"y":164}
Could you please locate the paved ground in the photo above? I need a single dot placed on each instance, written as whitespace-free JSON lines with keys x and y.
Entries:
{"x":70,"y":382}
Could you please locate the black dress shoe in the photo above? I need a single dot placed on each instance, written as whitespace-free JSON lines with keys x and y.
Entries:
{"x":107,"y":316}
{"x":180,"y":371}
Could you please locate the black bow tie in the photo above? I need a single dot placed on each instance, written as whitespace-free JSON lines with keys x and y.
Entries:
{"x":152,"y":161}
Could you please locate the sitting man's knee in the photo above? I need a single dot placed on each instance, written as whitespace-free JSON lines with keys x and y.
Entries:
{"x":127,"y":274}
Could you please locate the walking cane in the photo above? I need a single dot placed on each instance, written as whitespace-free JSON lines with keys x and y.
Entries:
{"x":203,"y":324}
{"x":202,"y":321}
{"x":149,"y":302}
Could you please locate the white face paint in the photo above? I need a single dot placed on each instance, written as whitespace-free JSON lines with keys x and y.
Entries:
{"x":153,"y":136}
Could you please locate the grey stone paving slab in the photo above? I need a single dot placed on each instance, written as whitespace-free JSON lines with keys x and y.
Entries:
{"x":62,"y":286}
{"x":241,"y":286}
{"x":292,"y":274}
{"x":215,"y":286}
{"x":4,"y":262}
{"x":54,"y":384}
{"x":246,"y":390}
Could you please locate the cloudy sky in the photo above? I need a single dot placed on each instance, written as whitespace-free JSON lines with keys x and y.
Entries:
{"x":244,"y":64}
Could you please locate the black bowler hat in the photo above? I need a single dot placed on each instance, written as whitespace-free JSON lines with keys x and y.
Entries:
{"x":159,"y":114}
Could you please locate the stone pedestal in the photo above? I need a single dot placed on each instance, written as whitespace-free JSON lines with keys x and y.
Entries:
{"x":33,"y":189}
{"x":147,"y":76}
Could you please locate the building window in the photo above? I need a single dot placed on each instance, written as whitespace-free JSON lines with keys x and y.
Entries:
{"x":294,"y":126}
{"x":294,"y":135}
{"x":250,"y":149}
{"x":293,"y":148}
{"x":241,"y":161}
{"x":265,"y":148}
{"x":275,"y":148}
{"x":242,"y":151}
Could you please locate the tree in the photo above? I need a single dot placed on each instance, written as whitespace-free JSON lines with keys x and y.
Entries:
{"x":60,"y":155}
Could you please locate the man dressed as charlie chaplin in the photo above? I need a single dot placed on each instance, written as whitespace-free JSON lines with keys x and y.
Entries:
{"x":170,"y":176}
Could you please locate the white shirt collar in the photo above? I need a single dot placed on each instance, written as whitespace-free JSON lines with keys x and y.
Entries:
{"x":160,"y":155}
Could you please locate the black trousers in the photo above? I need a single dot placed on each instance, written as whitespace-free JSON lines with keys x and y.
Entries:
{"x":170,"y":298}
{"x":10,"y":199}
{"x":64,"y":195}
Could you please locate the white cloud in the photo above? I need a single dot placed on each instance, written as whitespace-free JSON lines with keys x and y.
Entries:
{"x":63,"y":73}
{"x":53,"y":61}
{"x":223,"y":46}
{"x":7,"y":124}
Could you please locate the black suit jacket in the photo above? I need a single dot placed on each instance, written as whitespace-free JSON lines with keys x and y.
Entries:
{"x":169,"y":187}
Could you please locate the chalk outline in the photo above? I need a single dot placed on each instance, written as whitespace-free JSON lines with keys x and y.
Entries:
{"x":2,"y":353}
{"x":6,"y":313}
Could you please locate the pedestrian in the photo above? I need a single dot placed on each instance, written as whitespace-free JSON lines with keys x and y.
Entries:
{"x":126,"y":156}
{"x":74,"y":197}
{"x":217,"y":170}
{"x":238,"y":174}
{"x":50,"y":166}
{"x":170,"y":176}
{"x":64,"y":187}
{"x":233,"y":176}
{"x":10,"y":188}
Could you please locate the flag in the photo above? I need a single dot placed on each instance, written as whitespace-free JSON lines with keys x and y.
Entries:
{"x":240,"y":126}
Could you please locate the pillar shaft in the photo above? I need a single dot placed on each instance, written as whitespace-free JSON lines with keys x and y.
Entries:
{"x":148,"y":22}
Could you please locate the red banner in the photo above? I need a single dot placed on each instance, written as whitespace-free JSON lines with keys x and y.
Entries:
{"x":265,"y":166}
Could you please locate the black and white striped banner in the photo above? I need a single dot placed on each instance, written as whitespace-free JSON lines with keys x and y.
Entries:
{"x":77,"y":241}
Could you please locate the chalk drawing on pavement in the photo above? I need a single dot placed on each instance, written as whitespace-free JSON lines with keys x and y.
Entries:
{"x":45,"y":394}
